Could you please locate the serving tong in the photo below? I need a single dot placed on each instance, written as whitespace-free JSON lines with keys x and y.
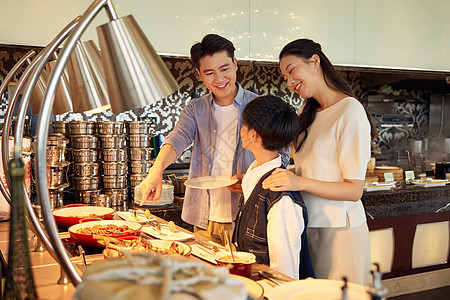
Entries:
{"x":152,"y":223}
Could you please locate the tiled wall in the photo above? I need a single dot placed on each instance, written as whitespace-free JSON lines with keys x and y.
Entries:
{"x":268,"y":80}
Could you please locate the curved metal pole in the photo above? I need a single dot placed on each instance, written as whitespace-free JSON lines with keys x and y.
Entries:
{"x":37,"y":67}
{"x":10,"y":110}
{"x":5,"y":132}
{"x":42,"y":137}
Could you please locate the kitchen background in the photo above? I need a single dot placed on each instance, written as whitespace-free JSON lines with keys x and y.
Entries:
{"x":406,"y":106}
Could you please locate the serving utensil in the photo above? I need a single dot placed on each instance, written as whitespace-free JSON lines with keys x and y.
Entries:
{"x":275,"y":278}
{"x":212,"y":248}
{"x":83,"y":255}
{"x":229,"y":244}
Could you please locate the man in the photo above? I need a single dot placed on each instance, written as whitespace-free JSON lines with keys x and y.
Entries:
{"x":212,"y":123}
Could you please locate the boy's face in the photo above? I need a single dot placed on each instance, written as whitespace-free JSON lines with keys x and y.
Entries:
{"x":218,"y":73}
{"x":247,"y":137}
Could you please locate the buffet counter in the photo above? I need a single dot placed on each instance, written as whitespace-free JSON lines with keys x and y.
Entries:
{"x":47,"y":272}
{"x":405,"y":200}
{"x":410,"y":235}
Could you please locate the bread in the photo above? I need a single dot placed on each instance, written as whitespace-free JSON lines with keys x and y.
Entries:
{"x":149,"y":276}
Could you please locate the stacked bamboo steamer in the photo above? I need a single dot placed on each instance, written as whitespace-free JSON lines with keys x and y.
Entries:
{"x":381,"y":170}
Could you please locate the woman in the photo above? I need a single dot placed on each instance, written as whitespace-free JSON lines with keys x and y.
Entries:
{"x":332,"y":149}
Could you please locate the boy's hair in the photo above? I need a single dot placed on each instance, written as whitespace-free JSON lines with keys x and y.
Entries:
{"x":210,"y":45}
{"x":274,"y":120}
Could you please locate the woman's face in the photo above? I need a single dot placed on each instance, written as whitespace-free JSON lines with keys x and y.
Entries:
{"x":301,"y":75}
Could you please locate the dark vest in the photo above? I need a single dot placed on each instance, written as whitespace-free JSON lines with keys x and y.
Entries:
{"x":250,"y":231}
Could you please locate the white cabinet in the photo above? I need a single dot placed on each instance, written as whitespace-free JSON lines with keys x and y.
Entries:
{"x":275,"y":23}
{"x":391,"y":33}
{"x":173,"y":26}
{"x":403,"y":33}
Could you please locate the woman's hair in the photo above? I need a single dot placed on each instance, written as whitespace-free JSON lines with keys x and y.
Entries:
{"x":210,"y":45}
{"x":273,"y":119}
{"x":305,"y":49}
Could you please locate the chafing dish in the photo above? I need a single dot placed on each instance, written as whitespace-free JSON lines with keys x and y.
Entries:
{"x":110,"y":127}
{"x":88,"y":183}
{"x":84,"y":141}
{"x":86,"y":196}
{"x":57,"y":140}
{"x":60,"y":127}
{"x":114,"y":155}
{"x":84,"y":155}
{"x":81,"y":127}
{"x":117,"y":197}
{"x":56,"y":198}
{"x":112,"y":141}
{"x":100,"y":200}
{"x":140,"y":166}
{"x":138,"y":127}
{"x":56,"y":155}
{"x":139,"y":140}
{"x":114,"y":182}
{"x":140,"y":154}
{"x":57,"y":177}
{"x":114,"y":168}
{"x":136,"y":179}
{"x":85,"y":169}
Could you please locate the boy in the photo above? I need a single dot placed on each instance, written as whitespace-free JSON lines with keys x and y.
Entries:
{"x":212,"y":123}
{"x":270,"y":224}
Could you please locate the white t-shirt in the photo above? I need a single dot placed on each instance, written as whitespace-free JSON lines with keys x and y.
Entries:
{"x":226,"y":139}
{"x":337,"y":148}
{"x":284,"y":223}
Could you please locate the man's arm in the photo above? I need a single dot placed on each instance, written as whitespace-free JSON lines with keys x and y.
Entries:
{"x":151,"y":186}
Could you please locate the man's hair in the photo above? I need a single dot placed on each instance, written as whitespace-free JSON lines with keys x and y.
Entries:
{"x":210,"y":45}
{"x":273,"y":119}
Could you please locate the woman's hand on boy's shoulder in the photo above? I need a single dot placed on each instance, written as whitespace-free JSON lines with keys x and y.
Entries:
{"x":237,"y":187}
{"x":282,"y":180}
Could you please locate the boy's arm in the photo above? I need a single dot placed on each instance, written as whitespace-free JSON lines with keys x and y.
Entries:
{"x":284,"y":229}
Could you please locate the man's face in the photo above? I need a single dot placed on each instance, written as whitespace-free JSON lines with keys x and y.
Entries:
{"x":218,"y":73}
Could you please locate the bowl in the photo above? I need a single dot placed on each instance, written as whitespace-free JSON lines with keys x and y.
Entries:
{"x":242,"y":264}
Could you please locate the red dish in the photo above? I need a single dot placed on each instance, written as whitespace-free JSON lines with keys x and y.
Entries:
{"x":242,"y":265}
{"x":71,"y":215}
{"x":88,"y":240}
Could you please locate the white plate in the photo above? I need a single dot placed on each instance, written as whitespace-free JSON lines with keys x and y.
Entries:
{"x":128,"y":216}
{"x":160,"y":202}
{"x":254,"y":289}
{"x":312,"y":289}
{"x":431,"y":183}
{"x":167,"y":235}
{"x":379,"y":187}
{"x":210,"y":182}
